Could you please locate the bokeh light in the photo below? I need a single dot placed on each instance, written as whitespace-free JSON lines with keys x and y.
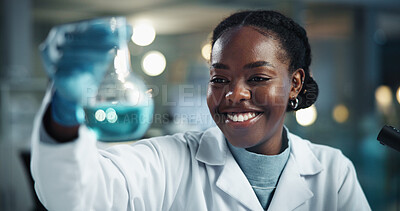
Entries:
{"x":111,"y":115}
{"x":143,"y":34}
{"x":306,"y":117}
{"x":206,"y":51}
{"x":340,"y":113}
{"x":153,"y":63}
{"x":383,"y":96}
{"x":100,"y":115}
{"x":398,"y":95}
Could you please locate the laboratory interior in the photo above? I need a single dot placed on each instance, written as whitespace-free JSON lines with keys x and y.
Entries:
{"x":355,"y":52}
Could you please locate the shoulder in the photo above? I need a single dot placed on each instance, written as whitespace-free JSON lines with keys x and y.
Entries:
{"x":189,"y":138}
{"x":330,"y":159}
{"x":321,"y":152}
{"x":328,"y":164}
{"x":178,"y":144}
{"x":326,"y":169}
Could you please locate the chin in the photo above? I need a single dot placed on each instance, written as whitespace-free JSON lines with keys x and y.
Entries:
{"x":241,"y":140}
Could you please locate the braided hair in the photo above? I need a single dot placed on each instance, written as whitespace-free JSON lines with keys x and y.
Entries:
{"x":293,"y":40}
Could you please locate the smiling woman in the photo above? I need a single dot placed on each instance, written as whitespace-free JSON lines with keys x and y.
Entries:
{"x":259,"y":71}
{"x":248,"y":78}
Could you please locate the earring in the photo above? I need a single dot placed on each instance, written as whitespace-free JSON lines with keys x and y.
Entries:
{"x":294,"y":103}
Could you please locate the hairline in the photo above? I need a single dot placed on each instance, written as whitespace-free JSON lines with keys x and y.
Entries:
{"x":269,"y":33}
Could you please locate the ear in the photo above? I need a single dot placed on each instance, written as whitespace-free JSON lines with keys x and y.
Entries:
{"x":297,"y":81}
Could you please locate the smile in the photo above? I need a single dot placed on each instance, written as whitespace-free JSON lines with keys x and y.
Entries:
{"x":242,"y":117}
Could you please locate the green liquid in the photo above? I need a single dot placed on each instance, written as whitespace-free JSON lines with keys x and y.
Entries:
{"x":119,"y":122}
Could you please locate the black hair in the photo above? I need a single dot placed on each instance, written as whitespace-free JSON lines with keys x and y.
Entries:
{"x":293,"y":40}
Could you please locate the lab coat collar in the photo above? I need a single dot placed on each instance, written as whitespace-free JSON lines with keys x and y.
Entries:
{"x":305,"y":159}
{"x":212,"y":147}
{"x":292,"y":190}
{"x":213,"y":151}
{"x":233,"y":182}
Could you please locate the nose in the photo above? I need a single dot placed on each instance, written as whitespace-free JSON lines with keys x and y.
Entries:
{"x":238,"y":93}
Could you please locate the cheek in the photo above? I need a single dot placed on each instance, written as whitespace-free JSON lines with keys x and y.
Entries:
{"x":209,"y":96}
{"x":213,"y":98}
{"x":216,"y":94}
{"x":271,"y":96}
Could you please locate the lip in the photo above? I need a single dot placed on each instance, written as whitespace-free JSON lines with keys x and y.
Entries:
{"x":244,"y":124}
{"x":241,"y":125}
{"x":225,"y":110}
{"x":239,"y":110}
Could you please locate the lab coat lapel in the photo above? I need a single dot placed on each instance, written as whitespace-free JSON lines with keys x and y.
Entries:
{"x":213,"y":151}
{"x":292,"y":189}
{"x":233,"y":182}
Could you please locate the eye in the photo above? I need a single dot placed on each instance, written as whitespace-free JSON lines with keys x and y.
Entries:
{"x":218,"y":80}
{"x":258,"y":79}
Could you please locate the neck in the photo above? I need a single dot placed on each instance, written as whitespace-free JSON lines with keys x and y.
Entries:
{"x":271,"y":146}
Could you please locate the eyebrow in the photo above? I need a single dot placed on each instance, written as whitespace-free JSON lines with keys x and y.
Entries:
{"x":247,"y":66}
{"x":219,"y":66}
{"x":258,"y":64}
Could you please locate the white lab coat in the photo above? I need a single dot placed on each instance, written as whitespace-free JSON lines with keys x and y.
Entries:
{"x":186,"y":171}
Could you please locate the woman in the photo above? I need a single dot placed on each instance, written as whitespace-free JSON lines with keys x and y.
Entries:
{"x":259,"y":70}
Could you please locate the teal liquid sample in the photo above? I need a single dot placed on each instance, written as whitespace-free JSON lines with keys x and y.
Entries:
{"x":113,"y":123}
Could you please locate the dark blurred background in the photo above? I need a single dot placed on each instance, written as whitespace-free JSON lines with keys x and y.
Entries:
{"x":356,"y":54}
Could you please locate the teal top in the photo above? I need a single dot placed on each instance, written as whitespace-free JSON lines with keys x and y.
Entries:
{"x":264,"y":176}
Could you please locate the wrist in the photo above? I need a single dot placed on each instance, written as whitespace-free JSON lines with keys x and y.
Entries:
{"x":59,"y":133}
{"x":65,"y":112}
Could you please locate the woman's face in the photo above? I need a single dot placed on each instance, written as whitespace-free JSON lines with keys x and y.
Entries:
{"x":249,"y":89}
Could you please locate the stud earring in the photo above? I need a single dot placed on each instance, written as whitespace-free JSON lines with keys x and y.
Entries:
{"x":294,"y":103}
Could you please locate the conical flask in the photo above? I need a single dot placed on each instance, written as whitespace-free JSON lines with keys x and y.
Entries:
{"x":122,"y":107}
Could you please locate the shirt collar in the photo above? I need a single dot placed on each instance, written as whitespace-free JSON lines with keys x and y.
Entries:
{"x":261,"y":167}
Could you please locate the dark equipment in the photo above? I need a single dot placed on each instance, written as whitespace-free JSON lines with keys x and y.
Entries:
{"x":390,"y":136}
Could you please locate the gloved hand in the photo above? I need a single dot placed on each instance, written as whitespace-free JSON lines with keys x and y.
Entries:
{"x":76,"y":57}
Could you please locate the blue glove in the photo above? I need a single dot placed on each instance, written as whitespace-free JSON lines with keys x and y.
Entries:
{"x":76,"y":57}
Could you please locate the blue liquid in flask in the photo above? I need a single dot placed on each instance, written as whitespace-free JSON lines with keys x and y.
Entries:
{"x":118,"y":122}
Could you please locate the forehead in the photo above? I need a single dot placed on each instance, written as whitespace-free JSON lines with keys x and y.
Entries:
{"x":246,"y":41}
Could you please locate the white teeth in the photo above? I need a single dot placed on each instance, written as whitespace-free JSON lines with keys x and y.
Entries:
{"x":240,"y":117}
{"x":235,"y":118}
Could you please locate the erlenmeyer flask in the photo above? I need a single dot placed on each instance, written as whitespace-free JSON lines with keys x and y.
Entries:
{"x":122,"y":108}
